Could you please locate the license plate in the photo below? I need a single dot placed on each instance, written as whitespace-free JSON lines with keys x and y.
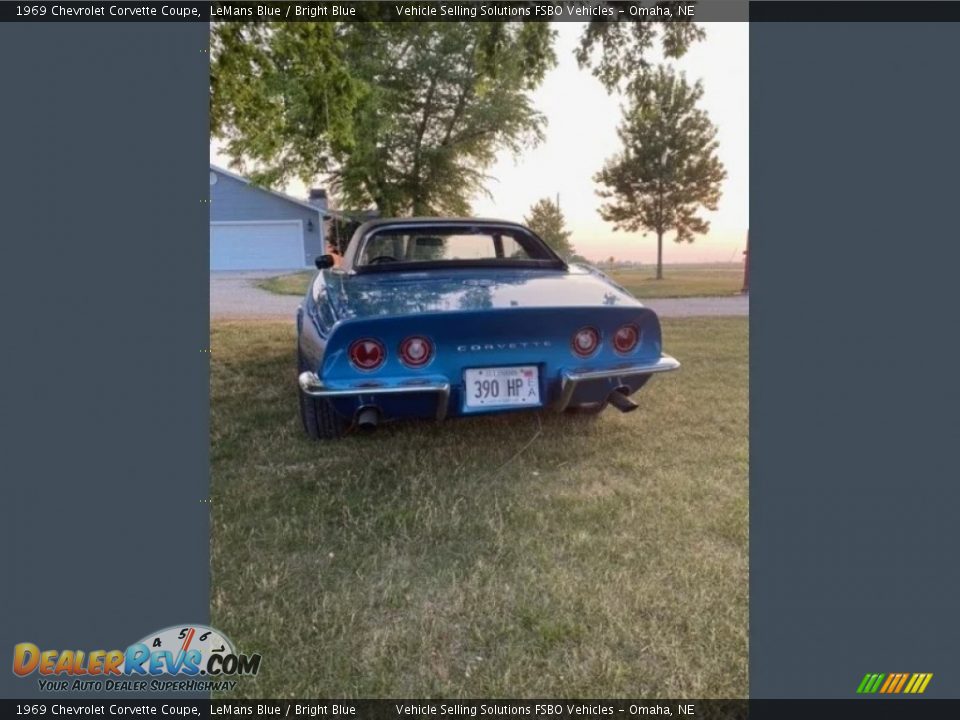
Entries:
{"x":502,"y":387}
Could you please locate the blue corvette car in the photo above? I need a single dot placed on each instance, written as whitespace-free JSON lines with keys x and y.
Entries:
{"x":437,"y":318}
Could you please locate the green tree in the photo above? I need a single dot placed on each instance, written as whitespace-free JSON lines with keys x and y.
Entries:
{"x":668,"y":169}
{"x":546,"y":220}
{"x":405,"y":117}
{"x":617,"y":50}
{"x":281,"y":97}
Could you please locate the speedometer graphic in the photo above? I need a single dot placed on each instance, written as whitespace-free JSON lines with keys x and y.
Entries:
{"x":184,"y":645}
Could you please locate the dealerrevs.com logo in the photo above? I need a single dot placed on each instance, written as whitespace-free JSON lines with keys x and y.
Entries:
{"x":177,"y":658}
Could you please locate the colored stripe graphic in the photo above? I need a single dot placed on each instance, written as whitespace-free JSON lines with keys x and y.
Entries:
{"x":894,"y":683}
{"x":890,"y":686}
{"x":903,"y":679}
{"x":870,"y":683}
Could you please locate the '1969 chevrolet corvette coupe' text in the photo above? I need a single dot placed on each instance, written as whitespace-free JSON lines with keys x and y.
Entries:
{"x":436,"y":317}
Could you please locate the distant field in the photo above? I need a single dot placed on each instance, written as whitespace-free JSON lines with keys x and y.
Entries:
{"x":701,"y":280}
{"x":523,"y":555}
{"x":682,"y":280}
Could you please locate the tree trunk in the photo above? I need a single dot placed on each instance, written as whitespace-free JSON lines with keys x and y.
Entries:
{"x":659,"y":255}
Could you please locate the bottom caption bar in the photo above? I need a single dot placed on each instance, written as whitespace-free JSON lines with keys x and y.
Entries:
{"x":786,"y":709}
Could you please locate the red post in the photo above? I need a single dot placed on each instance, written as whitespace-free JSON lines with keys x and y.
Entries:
{"x":746,"y":267}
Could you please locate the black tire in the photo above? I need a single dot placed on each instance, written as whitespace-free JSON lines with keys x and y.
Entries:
{"x":320,"y":419}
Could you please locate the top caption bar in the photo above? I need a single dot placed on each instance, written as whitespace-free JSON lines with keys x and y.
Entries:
{"x":378,"y":10}
{"x":457,"y":11}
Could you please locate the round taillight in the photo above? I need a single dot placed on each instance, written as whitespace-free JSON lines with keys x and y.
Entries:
{"x":626,"y":337}
{"x":367,"y":354}
{"x":416,"y":351}
{"x":585,"y":342}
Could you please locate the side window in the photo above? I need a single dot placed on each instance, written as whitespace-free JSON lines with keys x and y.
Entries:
{"x":513,"y":249}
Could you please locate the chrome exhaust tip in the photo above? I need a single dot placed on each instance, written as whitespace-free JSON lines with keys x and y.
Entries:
{"x":367,"y":418}
{"x":621,"y":402}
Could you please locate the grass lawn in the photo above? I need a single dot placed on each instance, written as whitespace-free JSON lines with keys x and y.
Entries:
{"x":530,"y":555}
{"x":705,"y":280}
{"x":295,"y":284}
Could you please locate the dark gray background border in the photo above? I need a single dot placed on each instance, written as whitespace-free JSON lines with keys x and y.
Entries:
{"x":854,"y":532}
{"x":105,"y":314}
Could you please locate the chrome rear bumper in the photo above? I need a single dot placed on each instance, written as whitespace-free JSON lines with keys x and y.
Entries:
{"x":313,"y":386}
{"x":570,"y":380}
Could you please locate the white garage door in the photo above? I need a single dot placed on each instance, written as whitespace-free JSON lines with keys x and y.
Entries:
{"x":256,"y":246}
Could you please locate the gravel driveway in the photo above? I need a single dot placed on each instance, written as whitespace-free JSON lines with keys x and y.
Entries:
{"x":235,"y":295}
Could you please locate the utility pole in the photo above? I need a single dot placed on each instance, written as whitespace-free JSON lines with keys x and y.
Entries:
{"x":746,"y":267}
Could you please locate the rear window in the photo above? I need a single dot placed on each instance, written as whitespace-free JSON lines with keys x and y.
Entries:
{"x":392,"y":247}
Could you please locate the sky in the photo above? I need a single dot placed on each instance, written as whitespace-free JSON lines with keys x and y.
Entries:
{"x":581,"y":134}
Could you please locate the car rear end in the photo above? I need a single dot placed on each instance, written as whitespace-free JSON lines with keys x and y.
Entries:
{"x":447,"y":364}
